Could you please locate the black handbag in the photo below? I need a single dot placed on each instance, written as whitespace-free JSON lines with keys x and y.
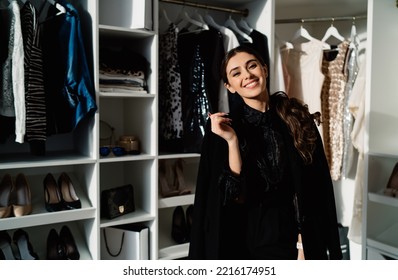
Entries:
{"x":117,"y":201}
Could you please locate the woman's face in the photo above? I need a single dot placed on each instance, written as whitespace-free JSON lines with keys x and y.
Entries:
{"x":247,"y":77}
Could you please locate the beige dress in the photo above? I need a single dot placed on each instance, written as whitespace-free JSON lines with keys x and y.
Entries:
{"x":332,"y":100}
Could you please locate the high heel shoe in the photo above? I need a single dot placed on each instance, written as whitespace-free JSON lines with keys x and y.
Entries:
{"x":179,"y":177}
{"x":165,"y":189}
{"x":6,"y":252}
{"x":392,"y":185}
{"x":6,"y":187}
{"x":179,"y":226}
{"x":189,"y":216}
{"x":55,"y":250}
{"x":25,"y":248}
{"x":68,"y":194}
{"x":52,"y":194}
{"x":23,"y":197}
{"x":70,"y":249}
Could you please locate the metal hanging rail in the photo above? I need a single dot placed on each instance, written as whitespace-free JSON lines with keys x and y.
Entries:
{"x":244,"y":12}
{"x":320,"y":19}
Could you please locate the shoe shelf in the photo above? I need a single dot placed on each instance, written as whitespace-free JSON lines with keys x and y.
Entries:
{"x":137,"y":216}
{"x":176,"y":201}
{"x":381,"y":198}
{"x":168,"y":248}
{"x":40,"y":215}
{"x":38,"y":236}
{"x":385,"y":240}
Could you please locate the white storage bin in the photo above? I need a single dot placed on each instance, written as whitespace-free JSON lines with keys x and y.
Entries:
{"x":134,"y":14}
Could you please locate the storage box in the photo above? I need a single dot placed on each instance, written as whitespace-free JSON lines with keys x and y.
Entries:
{"x":134,"y":14}
{"x":126,"y":242}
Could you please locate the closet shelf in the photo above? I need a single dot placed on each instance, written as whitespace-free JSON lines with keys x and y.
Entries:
{"x":185,"y":155}
{"x":379,"y":197}
{"x":176,"y":200}
{"x":137,"y":216}
{"x":174,"y":252}
{"x":133,"y":94}
{"x":46,"y":218}
{"x":126,"y":158}
{"x":123,"y":31}
{"x":15,"y":161}
{"x":386,"y":241}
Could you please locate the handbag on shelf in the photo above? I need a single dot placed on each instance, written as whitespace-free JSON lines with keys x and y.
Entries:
{"x":117,"y":201}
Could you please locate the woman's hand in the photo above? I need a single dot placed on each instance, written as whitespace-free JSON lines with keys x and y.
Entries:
{"x":221,"y":125}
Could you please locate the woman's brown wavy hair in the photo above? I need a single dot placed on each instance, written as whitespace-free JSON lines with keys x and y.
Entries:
{"x":291,"y":110}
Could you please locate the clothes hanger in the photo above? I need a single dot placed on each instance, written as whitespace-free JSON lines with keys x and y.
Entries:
{"x":165,"y":16}
{"x":354,"y":39}
{"x":230,"y":23}
{"x":61,"y":9}
{"x":245,"y":26}
{"x":185,"y":17}
{"x":210,"y":21}
{"x":302,"y":34}
{"x":332,"y":32}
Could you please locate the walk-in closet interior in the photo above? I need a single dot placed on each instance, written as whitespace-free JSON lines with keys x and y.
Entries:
{"x":93,"y":109}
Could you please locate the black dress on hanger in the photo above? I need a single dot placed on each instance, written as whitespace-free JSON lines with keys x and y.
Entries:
{"x":200,"y":54}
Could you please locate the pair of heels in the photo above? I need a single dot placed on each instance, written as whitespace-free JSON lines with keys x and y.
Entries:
{"x":392,"y":185}
{"x":60,"y":195}
{"x":61,"y":246}
{"x":24,"y":249}
{"x":181,"y":224}
{"x":172,"y":172}
{"x":15,"y":199}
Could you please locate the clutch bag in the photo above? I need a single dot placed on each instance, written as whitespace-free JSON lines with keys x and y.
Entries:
{"x":117,"y":201}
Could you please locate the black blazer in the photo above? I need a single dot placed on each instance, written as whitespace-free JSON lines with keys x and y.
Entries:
{"x":313,"y":186}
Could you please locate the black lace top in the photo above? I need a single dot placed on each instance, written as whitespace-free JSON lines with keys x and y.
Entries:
{"x":264,"y":186}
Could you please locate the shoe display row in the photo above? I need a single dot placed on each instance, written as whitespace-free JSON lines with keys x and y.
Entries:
{"x":16,"y":196}
{"x":181,"y":224}
{"x":60,"y":246}
{"x":171,"y":178}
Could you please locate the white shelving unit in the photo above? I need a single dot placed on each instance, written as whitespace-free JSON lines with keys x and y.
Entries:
{"x":136,"y":114}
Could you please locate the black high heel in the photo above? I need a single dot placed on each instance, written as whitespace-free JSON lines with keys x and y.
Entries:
{"x":179,"y":226}
{"x":70,"y":249}
{"x":189,"y":215}
{"x":25,"y":248}
{"x":55,"y":250}
{"x":52,"y":194}
{"x":6,"y":252}
{"x":68,"y":194}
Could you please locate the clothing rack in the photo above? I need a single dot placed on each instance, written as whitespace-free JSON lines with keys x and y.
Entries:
{"x":244,"y":12}
{"x":320,"y":19}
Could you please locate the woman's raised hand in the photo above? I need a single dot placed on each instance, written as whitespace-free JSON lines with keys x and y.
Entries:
{"x":221,"y":125}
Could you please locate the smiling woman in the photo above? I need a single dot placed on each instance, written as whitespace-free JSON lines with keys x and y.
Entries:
{"x":263,"y":176}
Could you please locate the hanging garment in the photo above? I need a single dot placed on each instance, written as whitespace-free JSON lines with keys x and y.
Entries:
{"x":69,"y":88}
{"x":34,"y":83}
{"x":303,"y":64}
{"x":170,"y":104}
{"x":199,"y":54}
{"x":348,"y":150}
{"x":230,"y":42}
{"x":12,"y":95}
{"x":332,"y":100}
{"x":357,"y":108}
